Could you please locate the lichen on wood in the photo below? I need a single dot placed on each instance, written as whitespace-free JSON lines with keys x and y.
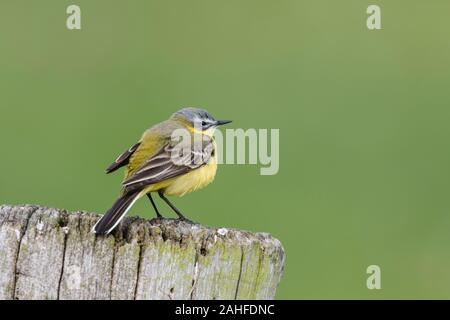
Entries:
{"x":52,"y":254}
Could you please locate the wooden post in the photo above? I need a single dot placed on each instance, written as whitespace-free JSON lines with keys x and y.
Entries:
{"x":52,"y":254}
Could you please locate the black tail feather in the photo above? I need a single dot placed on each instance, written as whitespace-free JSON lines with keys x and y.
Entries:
{"x":113,"y":216}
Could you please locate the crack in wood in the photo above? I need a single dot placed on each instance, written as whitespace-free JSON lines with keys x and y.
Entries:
{"x":62,"y":265}
{"x":138,"y":272}
{"x":240,"y":274}
{"x":22,"y":234}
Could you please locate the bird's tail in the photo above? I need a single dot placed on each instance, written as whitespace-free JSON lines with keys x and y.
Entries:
{"x":114,"y":215}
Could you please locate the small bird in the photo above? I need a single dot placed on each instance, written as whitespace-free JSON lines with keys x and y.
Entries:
{"x":166,"y":165}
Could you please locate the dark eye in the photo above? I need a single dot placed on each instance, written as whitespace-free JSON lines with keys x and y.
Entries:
{"x":203,"y":123}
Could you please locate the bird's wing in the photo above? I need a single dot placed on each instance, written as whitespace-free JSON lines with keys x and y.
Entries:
{"x":171,"y":161}
{"x":123,"y":159}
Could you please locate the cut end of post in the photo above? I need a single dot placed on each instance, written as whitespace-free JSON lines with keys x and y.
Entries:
{"x":53,"y":254}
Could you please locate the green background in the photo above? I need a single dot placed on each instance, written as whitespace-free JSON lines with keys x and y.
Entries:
{"x":363,"y":118}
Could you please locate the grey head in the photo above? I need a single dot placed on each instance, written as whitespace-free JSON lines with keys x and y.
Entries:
{"x":199,"y":118}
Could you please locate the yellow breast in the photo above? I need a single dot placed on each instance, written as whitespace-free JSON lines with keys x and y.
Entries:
{"x":193,"y":180}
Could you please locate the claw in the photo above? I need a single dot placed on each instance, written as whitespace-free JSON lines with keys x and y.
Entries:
{"x":186,"y":220}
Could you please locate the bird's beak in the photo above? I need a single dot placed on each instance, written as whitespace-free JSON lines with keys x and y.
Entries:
{"x":221,"y":122}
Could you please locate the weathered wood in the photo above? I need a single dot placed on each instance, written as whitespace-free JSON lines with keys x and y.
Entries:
{"x":52,"y":254}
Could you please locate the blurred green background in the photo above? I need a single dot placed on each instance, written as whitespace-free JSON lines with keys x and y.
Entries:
{"x":363,"y":116}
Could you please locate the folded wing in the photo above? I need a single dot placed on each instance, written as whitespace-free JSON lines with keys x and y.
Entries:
{"x":123,"y":159}
{"x":169,"y":162}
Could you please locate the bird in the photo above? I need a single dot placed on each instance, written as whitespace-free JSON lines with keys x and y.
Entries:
{"x":165,"y":163}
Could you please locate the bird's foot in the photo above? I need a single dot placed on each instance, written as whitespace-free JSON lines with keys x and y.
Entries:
{"x":184,"y":219}
{"x":159,"y":218}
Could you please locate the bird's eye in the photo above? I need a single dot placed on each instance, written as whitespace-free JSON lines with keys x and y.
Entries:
{"x":203,"y":123}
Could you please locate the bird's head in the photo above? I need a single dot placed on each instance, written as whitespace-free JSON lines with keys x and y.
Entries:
{"x":198,"y":120}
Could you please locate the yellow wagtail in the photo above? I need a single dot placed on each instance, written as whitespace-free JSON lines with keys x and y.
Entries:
{"x":159,"y":163}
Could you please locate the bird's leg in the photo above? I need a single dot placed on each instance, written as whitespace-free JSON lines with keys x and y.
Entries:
{"x":154,"y":205}
{"x":180,"y":215}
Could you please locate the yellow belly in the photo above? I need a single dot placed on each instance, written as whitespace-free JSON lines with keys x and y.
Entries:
{"x":192,"y":181}
{"x":189,"y":182}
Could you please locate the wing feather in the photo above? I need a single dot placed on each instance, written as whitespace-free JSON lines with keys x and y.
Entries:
{"x":168,"y":163}
{"x":123,"y":158}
